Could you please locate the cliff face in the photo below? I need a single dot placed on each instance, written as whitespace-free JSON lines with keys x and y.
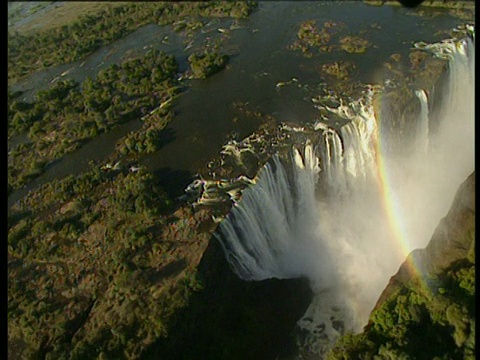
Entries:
{"x":427,"y":311}
{"x":452,"y":241}
{"x":233,"y":319}
{"x":449,"y":242}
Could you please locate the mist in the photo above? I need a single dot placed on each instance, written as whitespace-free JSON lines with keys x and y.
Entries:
{"x":346,"y":212}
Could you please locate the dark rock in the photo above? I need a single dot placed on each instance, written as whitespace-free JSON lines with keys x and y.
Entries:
{"x":231,"y":318}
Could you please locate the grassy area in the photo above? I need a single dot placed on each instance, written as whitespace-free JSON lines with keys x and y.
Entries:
{"x":67,"y":114}
{"x":60,"y":14}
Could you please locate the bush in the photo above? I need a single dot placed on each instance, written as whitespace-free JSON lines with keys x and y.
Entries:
{"x":207,"y":63}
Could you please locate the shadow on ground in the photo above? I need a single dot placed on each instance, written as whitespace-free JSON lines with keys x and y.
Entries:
{"x":234,"y":319}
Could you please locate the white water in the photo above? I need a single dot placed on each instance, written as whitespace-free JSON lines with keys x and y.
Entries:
{"x":425,"y":184}
{"x":271,"y":214}
{"x":340,"y":238}
{"x":423,"y":123}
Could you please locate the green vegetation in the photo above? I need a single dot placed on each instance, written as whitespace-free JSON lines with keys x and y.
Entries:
{"x":311,"y":38}
{"x":66,"y":115}
{"x":31,"y":52}
{"x":340,"y":70}
{"x":354,"y":44}
{"x":149,"y":138}
{"x":15,"y":10}
{"x":435,"y":320}
{"x":233,"y":319}
{"x":97,"y":267}
{"x":207,"y":63}
{"x":99,"y":263}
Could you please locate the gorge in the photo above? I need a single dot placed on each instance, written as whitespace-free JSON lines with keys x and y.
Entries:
{"x":279,"y":208}
{"x":345,"y":211}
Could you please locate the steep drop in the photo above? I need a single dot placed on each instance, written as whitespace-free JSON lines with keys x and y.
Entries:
{"x":345,"y":212}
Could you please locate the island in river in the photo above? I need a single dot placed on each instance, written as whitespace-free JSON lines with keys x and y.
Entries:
{"x":106,"y":258}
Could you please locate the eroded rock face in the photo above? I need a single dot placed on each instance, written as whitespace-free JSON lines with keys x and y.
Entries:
{"x":449,"y":242}
{"x":397,"y":107}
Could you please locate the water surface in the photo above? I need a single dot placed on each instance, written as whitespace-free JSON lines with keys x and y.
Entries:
{"x":205,"y":113}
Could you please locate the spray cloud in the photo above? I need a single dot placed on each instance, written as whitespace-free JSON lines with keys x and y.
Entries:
{"x":345,"y":212}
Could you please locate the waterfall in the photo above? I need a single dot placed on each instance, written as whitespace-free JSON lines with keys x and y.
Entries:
{"x":423,"y":123}
{"x":332,"y":161}
{"x":276,"y":210}
{"x":321,"y":214}
{"x":425,"y":183}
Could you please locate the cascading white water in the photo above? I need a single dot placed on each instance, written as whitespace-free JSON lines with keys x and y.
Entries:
{"x":341,"y":239}
{"x":332,"y":160}
{"x":423,"y":123}
{"x":425,"y":183}
{"x":276,"y":210}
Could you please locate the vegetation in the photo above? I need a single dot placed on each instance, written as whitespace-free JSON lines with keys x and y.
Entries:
{"x":103,"y":264}
{"x":34,"y":51}
{"x":340,"y":70}
{"x":233,"y":319}
{"x":415,"y":325}
{"x":16,"y":11}
{"x":207,"y":63}
{"x":97,"y":267}
{"x":149,"y":138}
{"x":99,"y":263}
{"x":354,"y":44}
{"x":311,"y":38}
{"x":430,"y":318}
{"x":67,"y":114}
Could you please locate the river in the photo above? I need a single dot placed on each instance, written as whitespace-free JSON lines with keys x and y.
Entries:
{"x":262,"y":74}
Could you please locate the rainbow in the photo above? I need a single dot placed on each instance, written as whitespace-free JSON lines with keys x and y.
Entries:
{"x":396,"y":216}
{"x":448,"y":50}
